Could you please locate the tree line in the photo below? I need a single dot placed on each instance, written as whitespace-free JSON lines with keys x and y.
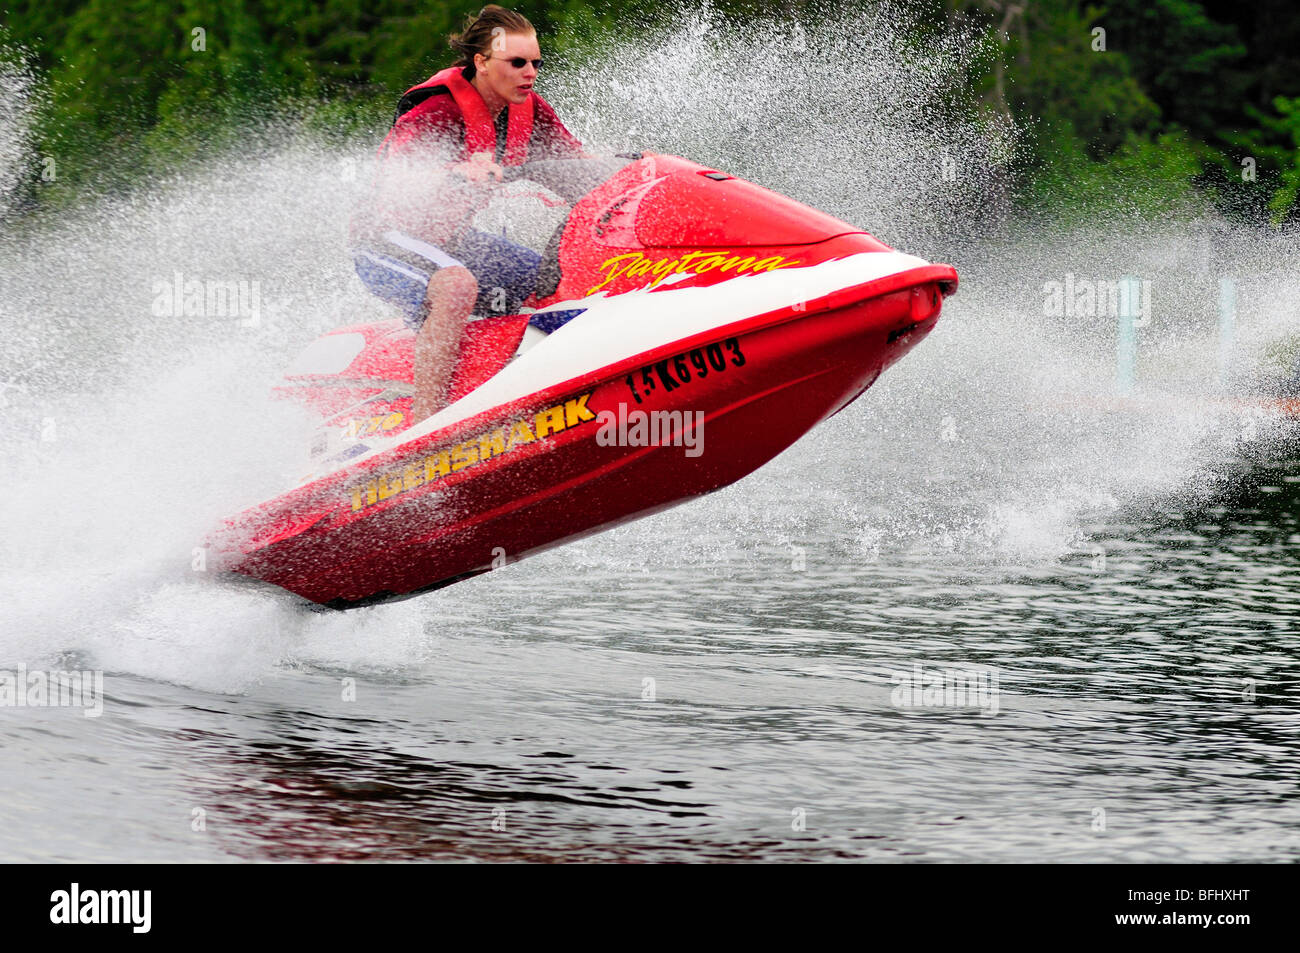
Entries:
{"x":1156,"y":99}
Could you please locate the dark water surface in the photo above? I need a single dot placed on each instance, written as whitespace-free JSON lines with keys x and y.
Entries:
{"x":1145,"y":711}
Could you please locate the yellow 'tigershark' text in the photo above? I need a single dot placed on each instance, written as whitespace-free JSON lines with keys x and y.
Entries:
{"x":473,"y":452}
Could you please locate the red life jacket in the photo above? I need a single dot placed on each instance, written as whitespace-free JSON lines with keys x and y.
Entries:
{"x":480,"y":133}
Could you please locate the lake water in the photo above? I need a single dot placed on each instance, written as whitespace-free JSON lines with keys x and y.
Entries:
{"x":724,"y":681}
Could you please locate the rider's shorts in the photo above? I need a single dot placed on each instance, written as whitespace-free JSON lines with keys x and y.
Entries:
{"x":397,"y":267}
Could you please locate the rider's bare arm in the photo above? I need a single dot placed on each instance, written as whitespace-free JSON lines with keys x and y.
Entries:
{"x":478,"y":168}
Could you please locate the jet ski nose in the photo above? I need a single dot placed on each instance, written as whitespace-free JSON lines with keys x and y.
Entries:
{"x":925,"y":303}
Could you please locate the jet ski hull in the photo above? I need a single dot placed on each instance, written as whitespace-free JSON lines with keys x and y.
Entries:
{"x":628,"y":439}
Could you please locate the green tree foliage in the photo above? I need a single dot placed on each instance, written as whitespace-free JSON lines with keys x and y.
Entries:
{"x":1182,"y":92}
{"x":1072,"y":83}
{"x":1277,"y":142}
{"x":1183,"y":60}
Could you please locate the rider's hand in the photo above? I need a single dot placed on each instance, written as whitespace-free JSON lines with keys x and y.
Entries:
{"x":479,"y":168}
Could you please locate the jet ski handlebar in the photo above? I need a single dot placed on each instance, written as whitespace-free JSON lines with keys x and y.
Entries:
{"x":571,"y":179}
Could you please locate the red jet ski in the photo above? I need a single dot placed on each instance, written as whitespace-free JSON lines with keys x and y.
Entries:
{"x":696,"y":326}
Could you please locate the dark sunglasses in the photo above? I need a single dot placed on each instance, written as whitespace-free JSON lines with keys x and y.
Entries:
{"x":519,"y":62}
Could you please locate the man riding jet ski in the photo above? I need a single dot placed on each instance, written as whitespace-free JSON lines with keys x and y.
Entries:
{"x":453,"y":134}
{"x":671,"y":301}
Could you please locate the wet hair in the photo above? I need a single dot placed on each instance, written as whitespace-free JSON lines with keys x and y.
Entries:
{"x":482,"y":29}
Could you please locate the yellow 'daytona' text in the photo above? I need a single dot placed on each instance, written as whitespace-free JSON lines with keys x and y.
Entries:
{"x":636,"y":265}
